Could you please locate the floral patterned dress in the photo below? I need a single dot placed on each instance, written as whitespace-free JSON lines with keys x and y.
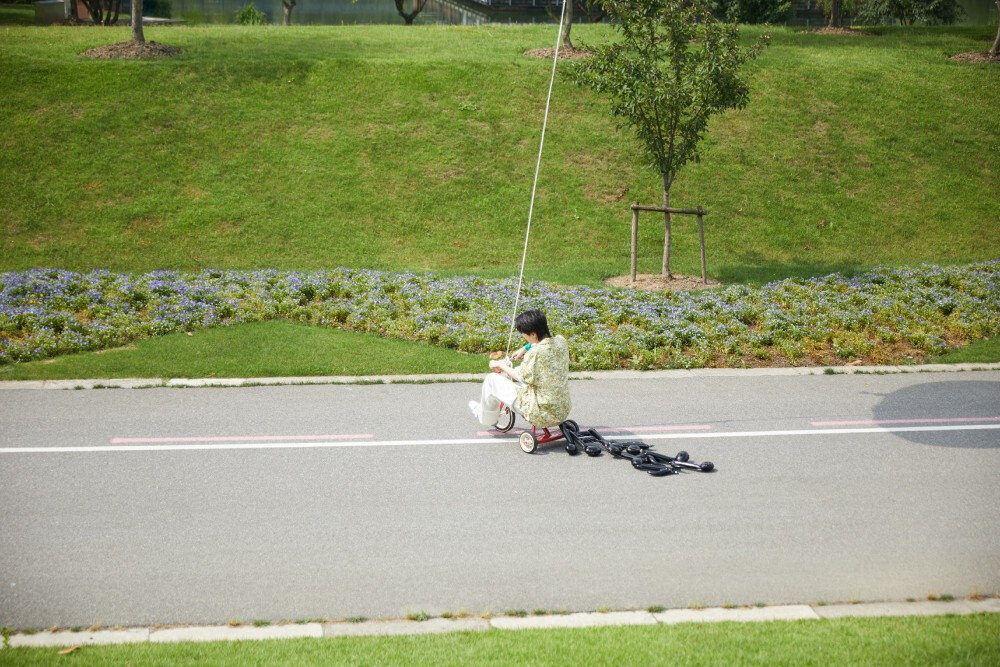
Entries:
{"x":543,"y":399}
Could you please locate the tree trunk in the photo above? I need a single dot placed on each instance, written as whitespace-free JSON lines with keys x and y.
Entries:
{"x":567,"y":24}
{"x":666,"y":233}
{"x":287,"y":6}
{"x":137,"y":35}
{"x":408,"y":17}
{"x":74,"y":12}
{"x":93,"y":9}
{"x":836,"y":14}
{"x":995,"y":49}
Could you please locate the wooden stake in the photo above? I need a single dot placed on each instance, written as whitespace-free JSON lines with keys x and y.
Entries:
{"x":635,"y":240}
{"x":701,"y":237}
{"x":666,"y":245}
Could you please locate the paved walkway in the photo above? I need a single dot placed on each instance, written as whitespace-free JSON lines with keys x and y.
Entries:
{"x":193,"y":507}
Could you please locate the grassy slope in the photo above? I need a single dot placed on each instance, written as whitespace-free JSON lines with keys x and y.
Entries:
{"x":398,"y":148}
{"x":942,"y":640}
{"x":266,"y":349}
{"x":978,"y":352}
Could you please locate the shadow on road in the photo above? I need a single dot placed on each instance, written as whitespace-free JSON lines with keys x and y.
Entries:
{"x":945,"y":400}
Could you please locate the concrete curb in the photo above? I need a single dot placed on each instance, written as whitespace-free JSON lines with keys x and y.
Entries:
{"x":214,"y":633}
{"x":580,"y":620}
{"x":795,"y":612}
{"x":146,"y":383}
{"x":428,"y":627}
{"x":775,"y":613}
{"x":67,"y":638}
{"x":921,"y":608}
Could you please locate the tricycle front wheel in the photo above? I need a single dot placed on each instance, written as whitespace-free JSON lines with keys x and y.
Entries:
{"x":528,"y":442}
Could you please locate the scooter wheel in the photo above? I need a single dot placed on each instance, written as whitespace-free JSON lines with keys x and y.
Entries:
{"x":528,"y":442}
{"x":506,"y":420}
{"x":572,"y":425}
{"x":707,"y":466}
{"x":682,"y":456}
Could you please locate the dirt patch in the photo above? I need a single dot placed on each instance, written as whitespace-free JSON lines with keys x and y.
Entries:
{"x":975,"y":57}
{"x":131,"y":51}
{"x":228,"y":227}
{"x":654,"y":282}
{"x":565,"y":53}
{"x":827,"y":30}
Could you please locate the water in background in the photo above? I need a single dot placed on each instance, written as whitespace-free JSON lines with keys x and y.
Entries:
{"x":449,"y":12}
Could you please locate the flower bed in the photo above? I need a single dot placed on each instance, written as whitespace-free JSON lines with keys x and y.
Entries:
{"x":881,"y":316}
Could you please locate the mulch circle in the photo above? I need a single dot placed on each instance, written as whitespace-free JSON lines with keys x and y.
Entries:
{"x":565,"y":53}
{"x":654,"y":282}
{"x":975,"y":57}
{"x":132,"y":50}
{"x":827,"y":30}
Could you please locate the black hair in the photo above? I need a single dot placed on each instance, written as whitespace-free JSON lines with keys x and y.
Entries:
{"x":533,"y":321}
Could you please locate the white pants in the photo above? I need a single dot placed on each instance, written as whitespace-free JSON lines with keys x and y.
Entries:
{"x":497,"y":389}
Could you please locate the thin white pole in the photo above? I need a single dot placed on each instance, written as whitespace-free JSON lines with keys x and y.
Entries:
{"x":538,"y":166}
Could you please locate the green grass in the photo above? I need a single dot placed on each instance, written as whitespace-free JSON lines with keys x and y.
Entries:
{"x":983,"y":351}
{"x":264,"y":349}
{"x":414,"y":148}
{"x":941,"y":640}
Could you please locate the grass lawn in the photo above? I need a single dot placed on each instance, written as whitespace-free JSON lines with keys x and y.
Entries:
{"x":413,"y":148}
{"x":982,"y":351}
{"x":939,"y":640}
{"x":264,"y":349}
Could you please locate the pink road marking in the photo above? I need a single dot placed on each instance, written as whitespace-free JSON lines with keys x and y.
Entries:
{"x":619,"y":429}
{"x":941,"y":420}
{"x":243,"y":438}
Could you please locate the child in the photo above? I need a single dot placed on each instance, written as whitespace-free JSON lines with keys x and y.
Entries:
{"x":538,"y":389}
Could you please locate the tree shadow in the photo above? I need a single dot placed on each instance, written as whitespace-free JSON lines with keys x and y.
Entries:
{"x":973,"y":402}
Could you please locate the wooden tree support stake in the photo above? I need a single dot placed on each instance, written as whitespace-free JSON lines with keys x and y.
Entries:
{"x":635,"y":239}
{"x":700,"y":212}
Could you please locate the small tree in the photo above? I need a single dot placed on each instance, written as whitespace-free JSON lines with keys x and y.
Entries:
{"x":287,"y":6}
{"x":835,"y":10}
{"x":995,"y":49}
{"x":250,"y":15}
{"x":567,"y":24}
{"x":408,"y":17}
{"x":674,"y":67}
{"x":908,"y":12}
{"x":137,"y":35}
{"x":103,"y":12}
{"x":753,"y":11}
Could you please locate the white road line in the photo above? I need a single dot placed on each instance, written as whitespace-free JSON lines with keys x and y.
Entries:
{"x":479,"y":441}
{"x":819,"y":431}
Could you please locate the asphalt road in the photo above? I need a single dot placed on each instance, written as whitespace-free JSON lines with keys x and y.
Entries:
{"x":291,"y":502}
